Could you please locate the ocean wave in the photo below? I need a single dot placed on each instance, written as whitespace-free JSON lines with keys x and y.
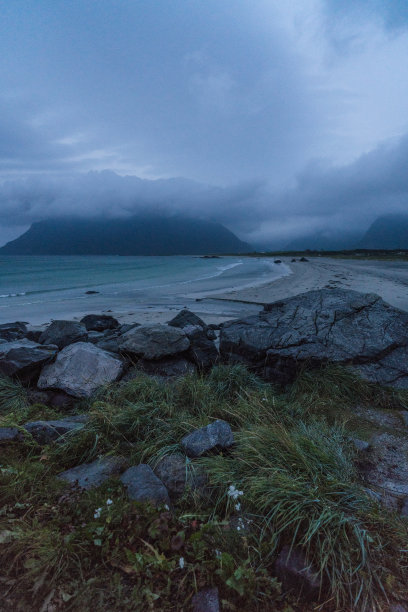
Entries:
{"x":10,"y":295}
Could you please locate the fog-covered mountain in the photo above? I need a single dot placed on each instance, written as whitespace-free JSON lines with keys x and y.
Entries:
{"x":139,"y":235}
{"x":387,"y":232}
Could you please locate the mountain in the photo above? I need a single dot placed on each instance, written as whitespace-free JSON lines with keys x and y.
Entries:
{"x":386,"y":232}
{"x":326,"y":241}
{"x":141,"y":235}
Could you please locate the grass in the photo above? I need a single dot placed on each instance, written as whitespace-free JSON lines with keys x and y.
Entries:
{"x":291,"y":459}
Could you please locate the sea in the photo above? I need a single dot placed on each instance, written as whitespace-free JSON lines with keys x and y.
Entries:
{"x":37,"y":289}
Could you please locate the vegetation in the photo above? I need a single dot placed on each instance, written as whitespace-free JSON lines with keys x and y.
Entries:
{"x":292,"y":460}
{"x":360,"y":254}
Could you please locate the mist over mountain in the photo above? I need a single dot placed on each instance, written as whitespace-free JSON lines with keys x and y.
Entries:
{"x":387,"y":232}
{"x":138,"y":235}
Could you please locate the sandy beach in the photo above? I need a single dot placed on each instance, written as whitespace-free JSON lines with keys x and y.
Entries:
{"x":385,"y":278}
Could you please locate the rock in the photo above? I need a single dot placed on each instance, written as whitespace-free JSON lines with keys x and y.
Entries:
{"x":303,"y":259}
{"x":326,"y":325}
{"x":398,"y":608}
{"x":23,"y":359}
{"x":176,"y":472}
{"x":143,"y":485}
{"x":127,"y":327}
{"x":89,"y":475}
{"x":215,"y":435}
{"x":173,"y":367}
{"x":278,"y":261}
{"x":154,"y":341}
{"x":206,"y":600}
{"x":91,"y":292}
{"x":186,"y":318}
{"x":10,"y":434}
{"x":99,"y":323}
{"x":63,"y":333}
{"x":80,"y":369}
{"x":404,"y":415}
{"x":95,"y":337}
{"x":48,"y":397}
{"x":292,"y":569}
{"x":45,"y":432}
{"x":13,"y":331}
{"x":109,"y":344}
{"x":359,"y":445}
{"x":202,"y":350}
{"x":293,"y":260}
{"x":34,"y":335}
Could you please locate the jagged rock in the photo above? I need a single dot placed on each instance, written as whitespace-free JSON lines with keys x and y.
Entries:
{"x":143,"y":485}
{"x":326,"y":325}
{"x":23,"y":359}
{"x":176,"y":472}
{"x":206,"y":600}
{"x":45,"y":432}
{"x":125,"y":327}
{"x":48,"y":397}
{"x":296,"y":574}
{"x":63,"y":333}
{"x":215,"y":435}
{"x":89,"y":475}
{"x":171,"y":367}
{"x":186,"y":318}
{"x":80,"y":369}
{"x":385,"y":466}
{"x":10,"y":434}
{"x":109,"y":344}
{"x":202,"y":350}
{"x":100,"y":323}
{"x":154,"y":341}
{"x":13,"y":331}
{"x":34,"y":335}
{"x":303,"y":259}
{"x":95,"y":336}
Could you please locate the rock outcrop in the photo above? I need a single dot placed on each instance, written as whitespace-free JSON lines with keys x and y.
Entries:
{"x":154,"y":341}
{"x":80,"y":369}
{"x":317,"y":327}
{"x":23,"y":358}
{"x":89,"y":475}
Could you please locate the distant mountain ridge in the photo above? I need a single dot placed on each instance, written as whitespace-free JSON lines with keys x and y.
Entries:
{"x":386,"y":232}
{"x":139,"y":235}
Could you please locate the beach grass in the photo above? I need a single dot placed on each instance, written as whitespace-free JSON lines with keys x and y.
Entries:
{"x":292,"y":460}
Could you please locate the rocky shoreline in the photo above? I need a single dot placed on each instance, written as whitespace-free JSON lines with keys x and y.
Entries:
{"x":71,"y":361}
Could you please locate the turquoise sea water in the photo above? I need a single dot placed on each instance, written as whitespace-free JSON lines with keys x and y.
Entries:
{"x":37,"y":288}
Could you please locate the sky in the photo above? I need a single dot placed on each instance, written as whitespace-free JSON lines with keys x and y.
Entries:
{"x":278,"y":119}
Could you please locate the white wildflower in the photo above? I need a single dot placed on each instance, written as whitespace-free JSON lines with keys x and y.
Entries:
{"x":181,"y":562}
{"x":97,"y":513}
{"x":238,"y":506}
{"x":166,"y":507}
{"x":233,"y":492}
{"x":240,"y":524}
{"x":218,"y":554}
{"x":109,"y":502}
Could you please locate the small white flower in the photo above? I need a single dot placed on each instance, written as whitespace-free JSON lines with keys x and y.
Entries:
{"x":233,"y":492}
{"x":238,"y":506}
{"x":97,"y":513}
{"x":166,"y":507}
{"x":181,"y":562}
{"x":218,"y":554}
{"x":264,"y":399}
{"x":240,"y":524}
{"x":109,"y":502}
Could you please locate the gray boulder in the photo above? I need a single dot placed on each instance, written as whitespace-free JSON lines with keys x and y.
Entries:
{"x":202,"y":350}
{"x":172,"y":367}
{"x":327,"y":325}
{"x":154,"y":341}
{"x":80,"y":369}
{"x":206,"y":600}
{"x":10,"y":434}
{"x":45,"y":432}
{"x":176,"y":472}
{"x":13,"y":331}
{"x":90,"y":475}
{"x":63,"y":333}
{"x":24,"y":359}
{"x":296,"y":574}
{"x":143,"y":485}
{"x":216,"y":435}
{"x":186,"y":318}
{"x":100,"y":323}
{"x":109,"y":344}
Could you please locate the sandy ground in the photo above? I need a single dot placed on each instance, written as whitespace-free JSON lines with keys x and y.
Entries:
{"x":387,"y":279}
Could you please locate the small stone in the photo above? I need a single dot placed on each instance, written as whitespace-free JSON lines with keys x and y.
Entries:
{"x":10,"y":434}
{"x":144,"y":486}
{"x":215,"y":435}
{"x":45,"y":432}
{"x":176,"y":472}
{"x":296,"y":574}
{"x":90,"y":475}
{"x":99,"y":323}
{"x":206,"y":600}
{"x":360,"y":445}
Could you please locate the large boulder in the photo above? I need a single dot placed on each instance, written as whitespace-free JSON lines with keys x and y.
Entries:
{"x":143,"y":485}
{"x":24,"y":359}
{"x":203,"y":351}
{"x":216,"y":435}
{"x":80,"y":369}
{"x":186,"y":318}
{"x":90,"y":475}
{"x":13,"y":331}
{"x":63,"y":333}
{"x":326,"y":325}
{"x":154,"y":341}
{"x":94,"y":322}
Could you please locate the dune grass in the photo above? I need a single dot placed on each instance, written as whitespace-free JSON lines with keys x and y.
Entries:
{"x":292,"y":460}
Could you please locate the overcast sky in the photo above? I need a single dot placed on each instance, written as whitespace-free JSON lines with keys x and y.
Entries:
{"x":283,"y":118}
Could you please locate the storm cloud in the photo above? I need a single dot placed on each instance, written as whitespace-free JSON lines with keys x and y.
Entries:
{"x":283,"y":118}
